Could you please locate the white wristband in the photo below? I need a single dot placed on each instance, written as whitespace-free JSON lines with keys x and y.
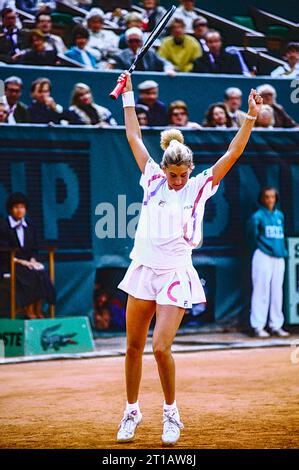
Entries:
{"x":251,"y":118}
{"x":128,"y":99}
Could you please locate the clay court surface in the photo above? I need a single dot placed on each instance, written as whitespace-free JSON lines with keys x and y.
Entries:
{"x":228,"y":399}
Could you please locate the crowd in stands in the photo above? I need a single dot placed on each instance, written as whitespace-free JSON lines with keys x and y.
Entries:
{"x":110,"y":40}
{"x":151,"y":111}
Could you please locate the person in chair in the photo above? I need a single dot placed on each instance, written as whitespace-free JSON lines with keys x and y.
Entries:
{"x":33,"y":285}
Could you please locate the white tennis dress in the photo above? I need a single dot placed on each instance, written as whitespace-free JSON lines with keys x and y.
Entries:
{"x":170,"y":226}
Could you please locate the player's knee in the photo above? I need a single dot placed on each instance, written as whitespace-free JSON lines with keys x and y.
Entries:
{"x":134,"y":350}
{"x":161,"y":350}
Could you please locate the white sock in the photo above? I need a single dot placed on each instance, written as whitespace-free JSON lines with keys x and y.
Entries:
{"x":133,"y":407}
{"x":170,"y":407}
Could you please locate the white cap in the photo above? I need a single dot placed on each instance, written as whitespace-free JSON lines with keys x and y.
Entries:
{"x":94,"y":13}
{"x":133,"y":31}
{"x":147,"y":84}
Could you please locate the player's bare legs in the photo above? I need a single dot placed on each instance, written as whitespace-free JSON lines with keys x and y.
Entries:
{"x":138,"y":317}
{"x":168,"y":319}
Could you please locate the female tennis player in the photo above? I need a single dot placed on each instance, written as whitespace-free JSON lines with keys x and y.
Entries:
{"x":161,"y":278}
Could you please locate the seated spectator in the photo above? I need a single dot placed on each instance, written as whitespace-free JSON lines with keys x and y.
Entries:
{"x":217,"y":60}
{"x":233,"y":102}
{"x":178,"y":116}
{"x":116,"y":17}
{"x":187,"y":14}
{"x":217,"y":116}
{"x":35,"y":6}
{"x":200,"y":29}
{"x":180,"y":49}
{"x":16,"y":110}
{"x":282,"y":119}
{"x":79,"y":51}
{"x":44,"y":110}
{"x":102,"y":43}
{"x":88,"y":112}
{"x":265,"y":118}
{"x":133,"y":20}
{"x":150,"y":62}
{"x":3,"y":113}
{"x":148,"y":96}
{"x":153,"y":14}
{"x":33,"y":285}
{"x":7,"y":4}
{"x":12,"y":39}
{"x":38,"y":54}
{"x":43,"y":22}
{"x":291,"y":69}
{"x":142,"y":114}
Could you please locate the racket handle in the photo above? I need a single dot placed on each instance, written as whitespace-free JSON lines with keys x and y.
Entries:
{"x":121,"y":83}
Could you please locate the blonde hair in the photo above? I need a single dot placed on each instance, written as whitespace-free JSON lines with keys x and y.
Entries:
{"x":175,"y":151}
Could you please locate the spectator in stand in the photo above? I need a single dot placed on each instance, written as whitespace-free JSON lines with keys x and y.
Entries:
{"x":148,"y":96}
{"x":44,"y":110}
{"x":217,"y":60}
{"x":233,"y":102}
{"x":179,"y":48}
{"x":102,"y":43}
{"x":142,"y":114}
{"x":178,"y":116}
{"x":3,"y":113}
{"x":291,"y":68}
{"x":150,"y":62}
{"x":79,"y":51}
{"x":282,"y":119}
{"x":43,"y":22}
{"x":200,"y":29}
{"x":116,"y":18}
{"x":133,"y":20}
{"x":7,"y":4}
{"x":35,"y":6}
{"x":265,"y":118}
{"x":38,"y":54}
{"x":187,"y":13}
{"x":153,"y":14}
{"x":16,"y":110}
{"x":87,"y":111}
{"x":217,"y":116}
{"x":12,"y":39}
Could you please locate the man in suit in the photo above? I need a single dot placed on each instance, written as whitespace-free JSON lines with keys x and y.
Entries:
{"x":150,"y":62}
{"x":233,"y":103}
{"x":217,"y":60}
{"x":148,"y":96}
{"x":43,"y":108}
{"x":43,"y":22}
{"x":16,"y":110}
{"x":12,"y":39}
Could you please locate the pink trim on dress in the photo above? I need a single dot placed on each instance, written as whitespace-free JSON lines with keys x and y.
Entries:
{"x":169,"y":295}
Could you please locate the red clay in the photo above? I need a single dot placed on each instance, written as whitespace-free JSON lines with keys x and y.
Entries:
{"x":228,"y":399}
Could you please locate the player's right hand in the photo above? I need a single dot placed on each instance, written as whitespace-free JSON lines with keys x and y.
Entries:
{"x":127,"y":76}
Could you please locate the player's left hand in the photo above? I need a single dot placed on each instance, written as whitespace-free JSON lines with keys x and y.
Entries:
{"x":255,"y":102}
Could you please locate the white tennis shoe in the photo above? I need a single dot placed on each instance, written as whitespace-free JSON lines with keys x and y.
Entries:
{"x":172,"y":426}
{"x":128,"y":425}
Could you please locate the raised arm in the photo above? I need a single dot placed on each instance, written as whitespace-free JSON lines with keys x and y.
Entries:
{"x":133,"y":129}
{"x":239,"y":142}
